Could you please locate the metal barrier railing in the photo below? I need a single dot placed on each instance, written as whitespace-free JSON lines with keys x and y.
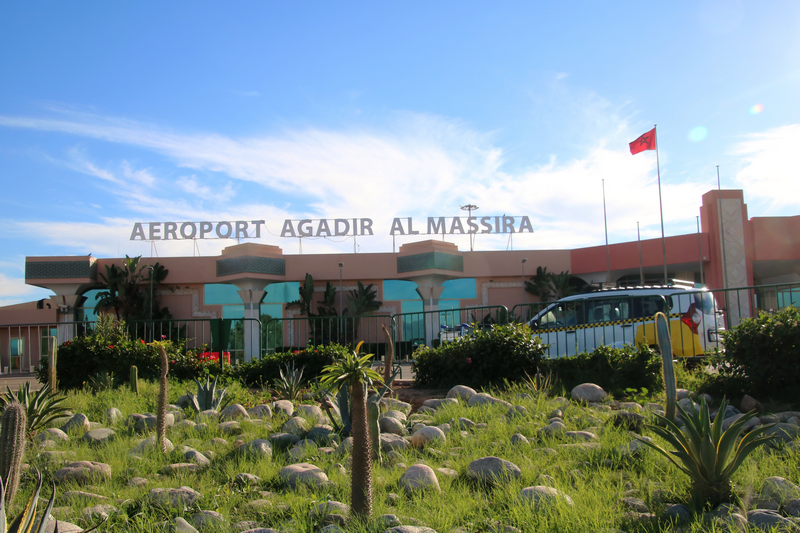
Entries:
{"x":298,"y":333}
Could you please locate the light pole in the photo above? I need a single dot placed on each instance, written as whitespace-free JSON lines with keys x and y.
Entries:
{"x":341,"y":305}
{"x":524,"y":310}
{"x":152,"y":324}
{"x":469,"y":208}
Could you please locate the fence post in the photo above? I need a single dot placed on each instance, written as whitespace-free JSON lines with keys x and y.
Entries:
{"x":52,"y":352}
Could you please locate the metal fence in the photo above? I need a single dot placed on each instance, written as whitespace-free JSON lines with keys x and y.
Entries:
{"x":298,"y":333}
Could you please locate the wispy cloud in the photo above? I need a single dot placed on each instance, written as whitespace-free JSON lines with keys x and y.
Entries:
{"x":192,"y":185}
{"x":14,"y":291}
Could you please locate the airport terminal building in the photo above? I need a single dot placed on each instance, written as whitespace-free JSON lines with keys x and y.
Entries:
{"x":247,"y":281}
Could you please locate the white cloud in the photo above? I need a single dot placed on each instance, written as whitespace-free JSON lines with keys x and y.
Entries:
{"x":192,"y":185}
{"x":769,"y":167}
{"x":14,"y":291}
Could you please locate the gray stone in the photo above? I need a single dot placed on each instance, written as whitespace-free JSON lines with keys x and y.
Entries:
{"x":346,"y":446}
{"x":322,"y":434}
{"x":179,"y":498}
{"x":283,"y":407}
{"x":584,"y":436}
{"x":461,"y":392}
{"x":519,"y":438}
{"x":283,"y":440}
{"x":588,"y":392}
{"x":770,"y":520}
{"x":137,"y":482}
{"x":246,"y":479}
{"x":187,"y":424}
{"x":101,"y":511}
{"x":234,"y":412}
{"x":303,"y":474}
{"x":750,"y":424}
{"x":635,"y":504}
{"x":542,"y":497}
{"x":262,"y":412}
{"x":630,"y":421}
{"x":391,"y":442}
{"x":392,"y":403}
{"x":517,"y":411}
{"x":231,"y":427}
{"x":631,"y":407}
{"x":53,"y":434}
{"x":493,"y":469}
{"x":63,"y":527}
{"x":256,"y":448}
{"x":207,"y":519}
{"x":792,"y":507}
{"x":323,"y":509}
{"x":418,"y":478}
{"x":99,"y":436}
{"x":149,"y":443}
{"x":113,"y":416}
{"x":78,"y":496}
{"x":438,"y":403}
{"x":482,"y":398}
{"x":83,"y":472}
{"x":197,"y":458}
{"x":410,"y":529}
{"x":634,"y":447}
{"x":179,"y":468}
{"x":79,"y":423}
{"x":179,"y":525}
{"x":780,"y":489}
{"x":554,"y":428}
{"x":782,"y":432}
{"x":464,"y":423}
{"x":312,"y":412}
{"x":426,"y":436}
{"x":394,"y":413}
{"x":296,"y":426}
{"x":389,"y":424}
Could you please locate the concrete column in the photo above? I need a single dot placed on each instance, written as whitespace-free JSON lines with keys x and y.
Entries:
{"x":430,"y":294}
{"x":65,"y":304}
{"x":252,"y":310}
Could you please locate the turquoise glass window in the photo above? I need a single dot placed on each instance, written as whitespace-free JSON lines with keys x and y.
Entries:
{"x":459,"y":289}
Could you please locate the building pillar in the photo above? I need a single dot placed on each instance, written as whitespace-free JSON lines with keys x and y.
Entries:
{"x":252,"y":312}
{"x":65,"y":312}
{"x":430,"y":294}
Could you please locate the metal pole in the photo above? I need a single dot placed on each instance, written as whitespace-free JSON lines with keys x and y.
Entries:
{"x":722,"y":235}
{"x":525,"y":314}
{"x":700,"y":251}
{"x":660,"y":208}
{"x":639,"y":242}
{"x":152,"y":324}
{"x":605,"y":224}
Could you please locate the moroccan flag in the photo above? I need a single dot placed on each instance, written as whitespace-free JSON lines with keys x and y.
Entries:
{"x":645,"y":142}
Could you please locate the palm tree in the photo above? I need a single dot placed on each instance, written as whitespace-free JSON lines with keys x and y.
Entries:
{"x":541,"y":285}
{"x":360,"y":302}
{"x":356,"y":373}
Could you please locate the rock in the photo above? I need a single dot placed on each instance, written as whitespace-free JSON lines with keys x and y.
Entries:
{"x":309,"y":411}
{"x":464,"y":423}
{"x":392,"y":425}
{"x":780,"y":489}
{"x":410,"y":529}
{"x":631,"y":407}
{"x":581,"y":435}
{"x":447,"y":472}
{"x":438,"y":403}
{"x":296,"y":426}
{"x":392,"y":403}
{"x":178,"y":498}
{"x":633,"y":448}
{"x":792,"y":507}
{"x":256,"y":448}
{"x":517,"y":411}
{"x":322,"y":434}
{"x":493,"y":469}
{"x":750,"y":404}
{"x":461,"y":392}
{"x":178,"y":468}
{"x":283,"y":407}
{"x":197,"y":458}
{"x":554,"y":428}
{"x":231,"y":427}
{"x":750,"y":424}
{"x":262,"y":412}
{"x":99,"y":436}
{"x":63,"y":527}
{"x":326,"y":508}
{"x":394,"y":413}
{"x":680,"y":394}
{"x":390,"y":442}
{"x":769,"y":520}
{"x":427,"y":435}
{"x":188,"y":424}
{"x":101,"y":511}
{"x":519,"y":438}
{"x":630,"y":421}
{"x":635,"y":504}
{"x":303,"y":474}
{"x":783,"y":432}
{"x":113,"y":416}
{"x":346,"y":446}
{"x":784,"y":416}
{"x":688,"y":405}
{"x":482,"y":398}
{"x":146,"y":444}
{"x":179,"y":525}
{"x":418,"y":478}
{"x":83,"y":472}
{"x":234,"y":412}
{"x":207,"y":519}
{"x":544,"y":497}
{"x":53,"y":434}
{"x":588,"y":392}
{"x":137,"y":482}
{"x":77,"y":496}
{"x":283,"y":440}
{"x":79,"y":423}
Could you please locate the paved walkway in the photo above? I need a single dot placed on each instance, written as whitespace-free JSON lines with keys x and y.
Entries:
{"x":13,"y":381}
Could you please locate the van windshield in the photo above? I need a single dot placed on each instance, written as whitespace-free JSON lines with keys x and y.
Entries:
{"x":705,"y":301}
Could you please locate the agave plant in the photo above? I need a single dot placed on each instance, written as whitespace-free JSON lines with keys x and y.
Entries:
{"x":42,"y":406}
{"x":291,"y":382}
{"x":539,"y":383}
{"x":207,"y":396}
{"x":706,"y":453}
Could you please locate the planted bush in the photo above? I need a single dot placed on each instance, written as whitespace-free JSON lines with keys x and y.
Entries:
{"x":614,"y":369}
{"x":487,"y":356}
{"x":268,"y":369}
{"x":762,"y":355}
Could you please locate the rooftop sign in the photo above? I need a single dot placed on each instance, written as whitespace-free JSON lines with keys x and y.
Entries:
{"x":329,"y":227}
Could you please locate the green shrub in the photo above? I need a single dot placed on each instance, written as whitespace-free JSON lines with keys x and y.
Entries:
{"x":267,"y":369}
{"x":762,"y":354}
{"x":614,"y":369}
{"x":485,"y":357}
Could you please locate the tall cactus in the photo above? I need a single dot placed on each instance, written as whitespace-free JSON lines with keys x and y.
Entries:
{"x":52,"y":351}
{"x":161,"y":409}
{"x":12,"y":447}
{"x":373,"y":413}
{"x":134,"y":380}
{"x":665,"y":345}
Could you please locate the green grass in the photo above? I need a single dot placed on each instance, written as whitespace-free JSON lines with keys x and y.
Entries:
{"x":595,"y":479}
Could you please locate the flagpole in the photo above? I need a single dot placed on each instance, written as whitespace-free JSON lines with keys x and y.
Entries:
{"x":605,"y":224}
{"x":660,"y":208}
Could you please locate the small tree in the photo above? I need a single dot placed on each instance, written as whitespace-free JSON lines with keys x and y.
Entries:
{"x":360,"y":302}
{"x":356,"y":373}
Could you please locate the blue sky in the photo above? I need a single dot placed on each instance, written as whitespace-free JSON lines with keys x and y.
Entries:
{"x":115,"y":113}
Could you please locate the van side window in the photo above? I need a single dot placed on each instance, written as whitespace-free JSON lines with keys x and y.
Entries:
{"x":647,"y":306}
{"x":563,"y":315}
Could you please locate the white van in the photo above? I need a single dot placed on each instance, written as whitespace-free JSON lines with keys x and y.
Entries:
{"x":615,"y":317}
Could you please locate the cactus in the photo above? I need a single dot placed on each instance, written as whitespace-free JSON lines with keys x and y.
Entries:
{"x":12,"y":447}
{"x":52,"y":351}
{"x":134,"y":380}
{"x":207,"y":397}
{"x":665,"y":345}
{"x":161,"y":409}
{"x":373,"y":413}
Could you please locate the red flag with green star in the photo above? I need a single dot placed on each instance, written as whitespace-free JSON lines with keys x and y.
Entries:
{"x":646,"y":142}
